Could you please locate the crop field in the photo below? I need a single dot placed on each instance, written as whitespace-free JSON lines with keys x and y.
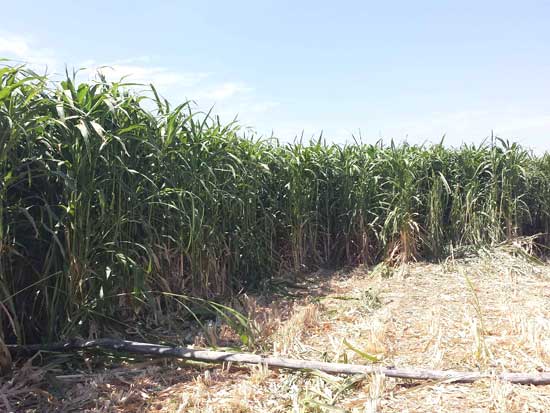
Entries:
{"x":123,"y":216}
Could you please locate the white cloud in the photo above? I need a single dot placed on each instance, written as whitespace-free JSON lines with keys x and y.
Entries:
{"x":20,"y":49}
{"x":530,"y":128}
{"x":161,"y":77}
{"x":230,"y":97}
{"x":292,"y":131}
{"x":14,"y":46}
{"x":261,"y":107}
{"x":226,"y":90}
{"x":476,"y":125}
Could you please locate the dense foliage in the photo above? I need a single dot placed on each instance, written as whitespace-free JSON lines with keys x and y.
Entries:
{"x":104,"y":202}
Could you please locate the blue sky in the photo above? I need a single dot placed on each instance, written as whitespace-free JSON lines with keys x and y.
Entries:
{"x":396,"y":69}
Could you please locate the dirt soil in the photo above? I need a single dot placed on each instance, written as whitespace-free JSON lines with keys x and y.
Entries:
{"x":487,"y":313}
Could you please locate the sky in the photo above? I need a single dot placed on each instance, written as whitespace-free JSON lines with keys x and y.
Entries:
{"x":401,"y":70}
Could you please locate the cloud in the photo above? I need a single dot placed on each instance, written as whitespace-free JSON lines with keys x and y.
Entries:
{"x":226,"y":90}
{"x":478,"y":124}
{"x":261,"y":107}
{"x":20,"y":49}
{"x":229,"y":97}
{"x":529,"y":127}
{"x":14,"y":46}
{"x":162,"y":78}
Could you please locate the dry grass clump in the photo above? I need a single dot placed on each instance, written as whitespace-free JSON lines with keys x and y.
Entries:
{"x":291,"y":334}
{"x":264,"y":318}
{"x":22,"y":390}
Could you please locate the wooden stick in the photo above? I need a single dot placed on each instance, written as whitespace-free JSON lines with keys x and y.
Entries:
{"x":281,"y":362}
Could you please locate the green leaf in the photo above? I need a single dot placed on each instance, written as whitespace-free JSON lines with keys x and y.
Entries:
{"x":363,"y":354}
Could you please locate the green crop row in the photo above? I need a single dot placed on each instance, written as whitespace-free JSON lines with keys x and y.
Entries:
{"x":103,"y":202}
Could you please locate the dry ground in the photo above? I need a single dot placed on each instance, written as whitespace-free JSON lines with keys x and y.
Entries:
{"x":489,"y":313}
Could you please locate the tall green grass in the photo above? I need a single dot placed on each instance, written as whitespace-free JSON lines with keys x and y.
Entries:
{"x":104,"y":203}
